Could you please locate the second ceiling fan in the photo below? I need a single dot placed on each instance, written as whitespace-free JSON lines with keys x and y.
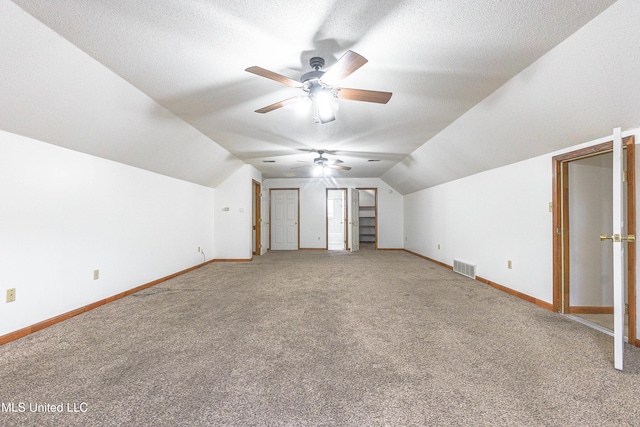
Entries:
{"x":321,"y":86}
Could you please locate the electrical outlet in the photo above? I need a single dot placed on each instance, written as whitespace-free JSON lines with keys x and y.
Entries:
{"x":96,"y":274}
{"x":11,"y":295}
{"x":438,"y":245}
{"x":198,"y":248}
{"x":509,"y":265}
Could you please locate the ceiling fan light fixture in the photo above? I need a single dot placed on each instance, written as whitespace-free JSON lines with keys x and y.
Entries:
{"x":323,"y":111}
{"x":318,"y":83}
{"x":304,"y":105}
{"x":319,"y":170}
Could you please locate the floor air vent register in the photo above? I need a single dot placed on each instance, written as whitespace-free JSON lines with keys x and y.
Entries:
{"x":464,"y":268}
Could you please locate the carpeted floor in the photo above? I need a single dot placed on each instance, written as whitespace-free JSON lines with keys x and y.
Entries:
{"x":319,"y":338}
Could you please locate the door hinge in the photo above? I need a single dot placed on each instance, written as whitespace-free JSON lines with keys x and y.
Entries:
{"x":626,"y":309}
{"x":559,"y":230}
{"x":624,"y":176}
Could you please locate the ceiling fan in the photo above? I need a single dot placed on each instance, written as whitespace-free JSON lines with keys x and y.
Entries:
{"x":321,"y":86}
{"x":321,"y":162}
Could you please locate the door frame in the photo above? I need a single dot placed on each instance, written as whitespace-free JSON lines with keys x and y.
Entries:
{"x":345,"y":220}
{"x":560,"y":204}
{"x":271,"y":190}
{"x":257,"y":215}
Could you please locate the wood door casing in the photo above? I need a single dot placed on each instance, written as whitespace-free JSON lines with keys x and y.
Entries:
{"x":560,"y":203}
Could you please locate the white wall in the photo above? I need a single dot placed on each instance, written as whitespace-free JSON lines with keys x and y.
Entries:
{"x":367,"y":198}
{"x":64,"y":214}
{"x":233,"y":215}
{"x":313,"y":208}
{"x":490,"y":218}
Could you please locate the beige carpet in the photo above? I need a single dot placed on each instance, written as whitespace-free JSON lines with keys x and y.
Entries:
{"x":319,"y":338}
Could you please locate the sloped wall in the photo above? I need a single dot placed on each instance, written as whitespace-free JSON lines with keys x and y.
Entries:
{"x":64,"y":214}
{"x":488,"y":219}
{"x":493,"y":217}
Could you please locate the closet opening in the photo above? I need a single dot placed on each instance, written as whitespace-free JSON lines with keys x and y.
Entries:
{"x":368,"y":217}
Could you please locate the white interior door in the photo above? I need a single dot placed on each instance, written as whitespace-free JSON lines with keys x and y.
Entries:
{"x":355,"y":220}
{"x":336,"y":208}
{"x":618,"y":251}
{"x":284,"y":219}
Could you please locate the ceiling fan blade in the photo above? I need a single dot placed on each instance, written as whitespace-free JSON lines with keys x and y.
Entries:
{"x":315,"y":150}
{"x":347,"y":64}
{"x":363,"y":95}
{"x":279,"y":104}
{"x":274,"y":76}
{"x":334,"y":166}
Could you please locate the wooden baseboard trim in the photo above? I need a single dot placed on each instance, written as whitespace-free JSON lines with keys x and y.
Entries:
{"x":536,"y":301}
{"x":441,"y":264}
{"x":529,"y":298}
{"x":590,"y":310}
{"x":232,"y":260}
{"x":312,"y":249}
{"x":390,"y":249}
{"x":12,"y":336}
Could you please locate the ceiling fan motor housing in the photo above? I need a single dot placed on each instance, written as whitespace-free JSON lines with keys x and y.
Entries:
{"x":316,"y":63}
{"x":311,"y":79}
{"x":320,"y":160}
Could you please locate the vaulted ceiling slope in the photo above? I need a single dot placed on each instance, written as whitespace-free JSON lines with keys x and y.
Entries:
{"x":172,"y":95}
{"x":576,"y":93}
{"x":53,"y":92}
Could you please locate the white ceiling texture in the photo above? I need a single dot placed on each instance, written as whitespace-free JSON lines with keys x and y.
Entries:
{"x":162,"y":84}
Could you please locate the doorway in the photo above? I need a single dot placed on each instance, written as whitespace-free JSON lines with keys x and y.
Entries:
{"x":336,"y":219}
{"x":368,"y":218}
{"x":582,"y":194}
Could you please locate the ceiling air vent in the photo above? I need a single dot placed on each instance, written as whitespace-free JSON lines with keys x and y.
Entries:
{"x":464,"y":268}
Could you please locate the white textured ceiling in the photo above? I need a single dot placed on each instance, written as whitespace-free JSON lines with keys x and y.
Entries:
{"x":439,"y":58}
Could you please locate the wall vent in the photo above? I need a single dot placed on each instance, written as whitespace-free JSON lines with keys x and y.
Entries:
{"x":464,"y":268}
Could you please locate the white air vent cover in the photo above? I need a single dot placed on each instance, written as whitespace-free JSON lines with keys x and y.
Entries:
{"x":464,"y":268}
